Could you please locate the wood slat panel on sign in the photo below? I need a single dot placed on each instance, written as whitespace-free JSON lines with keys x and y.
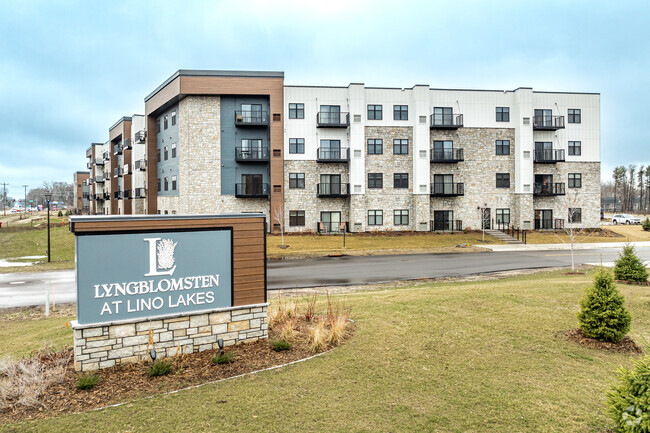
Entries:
{"x":253,"y":270}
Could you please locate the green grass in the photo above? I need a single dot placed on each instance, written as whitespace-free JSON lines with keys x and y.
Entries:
{"x":485,"y":356}
{"x":22,"y":337}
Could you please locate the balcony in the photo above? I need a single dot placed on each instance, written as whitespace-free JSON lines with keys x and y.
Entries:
{"x":450,"y":189}
{"x":140,"y":193}
{"x":126,"y":143}
{"x":106,"y":195}
{"x":107,"y":156}
{"x":332,"y":120}
{"x":140,"y":136}
{"x":251,"y":118}
{"x":446,"y":225}
{"x":127,"y":194}
{"x":333,"y":227}
{"x":141,"y":164}
{"x":127,"y":169}
{"x":89,"y":152}
{"x":117,"y":149}
{"x":99,"y":161}
{"x":255,"y":154}
{"x":549,"y":224}
{"x":117,"y":195}
{"x":89,"y":165}
{"x":548,"y":189}
{"x":107,"y":175}
{"x":99,"y":196}
{"x":333,"y":190}
{"x":99,"y":179}
{"x":446,"y":121}
{"x":548,"y":123}
{"x":118,"y":172}
{"x":549,"y":156}
{"x":333,"y":155}
{"x":245,"y":190}
{"x":447,"y":155}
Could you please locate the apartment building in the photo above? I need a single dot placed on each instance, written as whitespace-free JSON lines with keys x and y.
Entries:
{"x":80,"y":190}
{"x":358,"y":158}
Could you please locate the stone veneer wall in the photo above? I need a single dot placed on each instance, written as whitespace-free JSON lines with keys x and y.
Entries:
{"x":139,"y":206}
{"x":97,"y":347}
{"x":587,"y":197}
{"x":199,"y":152}
{"x":478,"y":173}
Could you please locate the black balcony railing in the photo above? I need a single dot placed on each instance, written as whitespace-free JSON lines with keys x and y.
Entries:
{"x":543,"y":223}
{"x":254,"y":154}
{"x":446,"y":225}
{"x":251,"y":190}
{"x":126,"y":194}
{"x":449,"y":189}
{"x":333,"y":227}
{"x":117,"y":149}
{"x":548,"y":123}
{"x":141,"y":164}
{"x":558,"y":224}
{"x":549,"y":156}
{"x":447,"y":155}
{"x":549,"y":189}
{"x":89,"y":165}
{"x":333,"y":155}
{"x":446,"y":121}
{"x":333,"y":190}
{"x":99,"y":196}
{"x":140,"y":136}
{"x":332,"y":120}
{"x":107,"y":156}
{"x":126,"y":144}
{"x":251,"y":118}
{"x":99,"y":179}
{"x":118,"y":172}
{"x":107,"y":175}
{"x":117,"y":195}
{"x":99,"y":161}
{"x":140,"y":193}
{"x":106,"y":195}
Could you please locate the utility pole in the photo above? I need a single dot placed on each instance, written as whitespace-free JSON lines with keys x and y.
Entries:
{"x":4,"y":199}
{"x":25,"y":202}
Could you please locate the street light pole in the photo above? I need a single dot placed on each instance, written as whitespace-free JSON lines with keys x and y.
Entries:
{"x":48,"y":197}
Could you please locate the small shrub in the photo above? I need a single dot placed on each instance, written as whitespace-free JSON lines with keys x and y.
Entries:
{"x":628,"y":399}
{"x":280,"y":345}
{"x":603,"y":315}
{"x":226,"y":358}
{"x":87,"y":381}
{"x":318,"y":336}
{"x":60,"y":214}
{"x":646,"y":224}
{"x":629,"y":267}
{"x":161,"y":367}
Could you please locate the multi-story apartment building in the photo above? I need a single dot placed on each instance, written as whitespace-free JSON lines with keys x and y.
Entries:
{"x":359,"y":158}
{"x":80,"y":188}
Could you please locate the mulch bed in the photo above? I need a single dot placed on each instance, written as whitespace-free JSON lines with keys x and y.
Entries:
{"x":131,"y":381}
{"x":634,"y":283}
{"x":627,"y":345}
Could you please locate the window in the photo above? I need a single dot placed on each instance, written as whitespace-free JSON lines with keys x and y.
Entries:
{"x":575,"y":180}
{"x":575,"y":148}
{"x":158,"y":154}
{"x":166,"y":152}
{"x":375,"y":217}
{"x":173,"y":183}
{"x":296,"y":218}
{"x":296,"y":111}
{"x":503,"y":180}
{"x":575,"y":215}
{"x":166,"y":184}
{"x":296,"y":180}
{"x":443,"y":220}
{"x":165,"y":122}
{"x":296,"y":145}
{"x":574,"y":115}
{"x":330,"y":114}
{"x":375,"y":180}
{"x":400,"y":112}
{"x":158,"y":125}
{"x":443,"y":116}
{"x":401,"y":180}
{"x":400,"y":147}
{"x":375,"y":146}
{"x":503,"y":114}
{"x":331,"y":149}
{"x":173,"y":150}
{"x":443,"y":150}
{"x":375,"y":112}
{"x":158,"y":184}
{"x":503,"y":216}
{"x":173,"y":118}
{"x":503,"y":147}
{"x":401,"y":217}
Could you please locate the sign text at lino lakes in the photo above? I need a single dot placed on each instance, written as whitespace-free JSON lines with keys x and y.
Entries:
{"x":146,"y":275}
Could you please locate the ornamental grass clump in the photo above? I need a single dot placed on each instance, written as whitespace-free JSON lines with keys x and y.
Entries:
{"x":318,"y":336}
{"x":87,"y":381}
{"x":628,"y":399}
{"x":161,"y":367}
{"x":602,"y":314}
{"x":629,"y":267}
{"x":225,"y":358}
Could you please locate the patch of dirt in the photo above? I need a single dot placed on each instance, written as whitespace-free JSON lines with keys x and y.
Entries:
{"x":131,"y":381}
{"x":627,"y":345}
{"x":573,"y":273}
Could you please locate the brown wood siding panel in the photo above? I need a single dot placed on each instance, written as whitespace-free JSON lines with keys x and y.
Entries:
{"x":128,"y":225}
{"x":250,"y":270}
{"x":170,"y":91}
{"x":152,"y":167}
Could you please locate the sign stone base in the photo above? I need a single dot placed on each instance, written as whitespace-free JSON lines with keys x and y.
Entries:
{"x":109,"y":344}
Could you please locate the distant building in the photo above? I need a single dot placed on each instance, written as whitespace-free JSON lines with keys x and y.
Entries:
{"x":80,"y":188}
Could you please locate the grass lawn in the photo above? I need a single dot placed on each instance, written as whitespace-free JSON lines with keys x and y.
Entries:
{"x":485,"y":356}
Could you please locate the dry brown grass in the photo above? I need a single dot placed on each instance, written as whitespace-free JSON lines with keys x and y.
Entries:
{"x":318,"y":336}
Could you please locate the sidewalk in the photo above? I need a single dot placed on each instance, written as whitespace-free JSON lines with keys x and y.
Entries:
{"x":562,"y":247}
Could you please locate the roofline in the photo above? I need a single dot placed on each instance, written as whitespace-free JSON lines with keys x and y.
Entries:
{"x":440,"y":89}
{"x":214,"y":73}
{"x":82,"y":172}
{"x":123,"y":119}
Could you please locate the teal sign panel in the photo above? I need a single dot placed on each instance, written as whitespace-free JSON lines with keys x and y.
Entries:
{"x":145,"y":275}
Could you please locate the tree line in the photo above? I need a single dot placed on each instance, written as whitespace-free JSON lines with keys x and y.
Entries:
{"x":629,"y":187}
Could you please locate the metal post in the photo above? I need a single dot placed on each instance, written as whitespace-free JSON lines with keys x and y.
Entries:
{"x":48,"y":231}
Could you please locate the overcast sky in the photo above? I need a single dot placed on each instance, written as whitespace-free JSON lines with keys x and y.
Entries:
{"x":70,"y":69}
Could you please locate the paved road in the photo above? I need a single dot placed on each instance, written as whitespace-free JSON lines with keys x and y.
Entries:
{"x":30,"y":288}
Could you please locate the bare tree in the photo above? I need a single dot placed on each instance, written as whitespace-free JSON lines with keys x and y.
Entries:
{"x":619,"y":181}
{"x":631,"y":196}
{"x":641,"y":184}
{"x":574,"y":217}
{"x":278,"y":216}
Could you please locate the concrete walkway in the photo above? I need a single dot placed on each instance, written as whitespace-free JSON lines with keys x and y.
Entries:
{"x":563,"y":247}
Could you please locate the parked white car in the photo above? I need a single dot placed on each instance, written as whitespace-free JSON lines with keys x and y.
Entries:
{"x":624,"y":218}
